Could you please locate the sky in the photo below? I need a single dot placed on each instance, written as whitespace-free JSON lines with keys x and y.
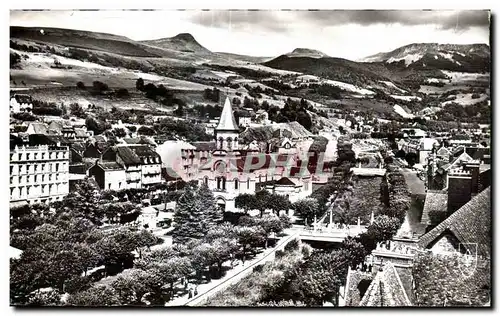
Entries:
{"x":351,"y":34}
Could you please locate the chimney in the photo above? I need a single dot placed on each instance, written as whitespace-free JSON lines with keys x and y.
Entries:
{"x":459,"y":189}
{"x":473,"y":168}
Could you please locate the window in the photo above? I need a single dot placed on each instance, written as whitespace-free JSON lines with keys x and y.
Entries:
{"x":248,"y":183}
{"x":236,"y":184}
{"x":27,"y":156}
{"x":11,"y":169}
{"x":206,"y":181}
{"x":11,"y":180}
{"x":109,"y":186}
{"x":57,"y":167}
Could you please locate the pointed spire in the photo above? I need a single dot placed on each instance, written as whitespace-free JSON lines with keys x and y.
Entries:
{"x":227,"y":122}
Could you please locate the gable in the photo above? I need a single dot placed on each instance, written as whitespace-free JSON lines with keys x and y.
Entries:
{"x":446,"y":243}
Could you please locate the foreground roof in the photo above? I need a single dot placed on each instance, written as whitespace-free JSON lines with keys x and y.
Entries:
{"x":470,"y":224}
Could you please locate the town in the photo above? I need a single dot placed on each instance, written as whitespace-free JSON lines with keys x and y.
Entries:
{"x":244,"y":192}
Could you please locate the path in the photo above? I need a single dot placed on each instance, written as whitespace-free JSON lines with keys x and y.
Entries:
{"x":417,"y":190}
{"x":232,"y":276}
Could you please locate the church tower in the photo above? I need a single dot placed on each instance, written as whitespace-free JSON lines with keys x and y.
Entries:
{"x":227,"y":131}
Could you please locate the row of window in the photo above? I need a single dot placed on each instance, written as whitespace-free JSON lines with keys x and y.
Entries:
{"x":39,"y":156}
{"x":36,"y":178}
{"x":38,"y":190}
{"x":36,"y":168}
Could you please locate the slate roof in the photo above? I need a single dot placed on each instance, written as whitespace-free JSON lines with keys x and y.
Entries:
{"x":449,"y":280}
{"x":109,"y":165}
{"x":227,"y":122}
{"x":386,"y":289}
{"x":78,"y":147}
{"x":353,"y":295}
{"x":285,"y":181}
{"x":41,"y":139}
{"x":434,"y":201}
{"x":470,"y":224}
{"x":135,"y":155}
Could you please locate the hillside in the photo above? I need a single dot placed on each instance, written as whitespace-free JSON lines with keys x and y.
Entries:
{"x":264,"y":133}
{"x":251,"y":59}
{"x":328,"y":67}
{"x":453,"y":57}
{"x":82,"y":39}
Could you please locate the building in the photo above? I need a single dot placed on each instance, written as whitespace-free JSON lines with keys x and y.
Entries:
{"x":245,"y":119}
{"x":141,"y":163}
{"x":422,"y":147}
{"x":39,"y":173}
{"x":210,"y":126}
{"x":228,"y":170}
{"x":20,"y":103}
{"x":109,"y":175}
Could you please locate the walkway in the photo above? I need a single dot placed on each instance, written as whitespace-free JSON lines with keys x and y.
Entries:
{"x":232,"y":276}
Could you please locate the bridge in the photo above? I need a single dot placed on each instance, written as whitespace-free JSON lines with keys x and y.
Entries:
{"x":329,"y":234}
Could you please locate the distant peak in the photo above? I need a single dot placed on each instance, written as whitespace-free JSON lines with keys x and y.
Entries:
{"x":306,"y":52}
{"x":184,"y":36}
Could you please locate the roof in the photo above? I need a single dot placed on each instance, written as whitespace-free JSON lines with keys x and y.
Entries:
{"x":78,"y":147}
{"x":204,"y":146}
{"x":41,"y":139}
{"x":80,"y":132}
{"x":22,"y":98}
{"x":285,"y":181}
{"x":135,"y":155}
{"x":462,"y":157}
{"x":14,"y":253}
{"x":227,"y":122}
{"x":109,"y":165}
{"x":451,"y":281}
{"x":434,"y":201}
{"x":353,"y":286}
{"x":470,"y":224}
{"x":386,"y":289}
{"x":39,"y":128}
{"x":443,"y":151}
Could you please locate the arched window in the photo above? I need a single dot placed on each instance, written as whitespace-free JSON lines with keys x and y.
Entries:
{"x":221,"y":142}
{"x":223,"y":183}
{"x":229,"y":143}
{"x":206,"y":181}
{"x":248,"y":183}
{"x":236,"y":184}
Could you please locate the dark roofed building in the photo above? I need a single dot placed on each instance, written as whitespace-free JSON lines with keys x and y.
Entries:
{"x":435,"y":201}
{"x":204,"y":146}
{"x":461,"y":231}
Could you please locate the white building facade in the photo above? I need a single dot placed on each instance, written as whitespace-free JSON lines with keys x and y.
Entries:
{"x":39,"y":173}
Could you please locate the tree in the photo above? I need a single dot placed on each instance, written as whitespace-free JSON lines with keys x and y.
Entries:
{"x":188,"y":218}
{"x":99,"y":87}
{"x":80,"y":85}
{"x":383,"y":228}
{"x":139,"y":84}
{"x":213,"y":214}
{"x":224,"y":248}
{"x":354,"y":251}
{"x":99,"y":295}
{"x":411,"y":158}
{"x":132,"y":286}
{"x":246,"y":202}
{"x":271,"y":225}
{"x":250,"y":237}
{"x":145,"y":130}
{"x":308,"y":209}
{"x":122,"y":93}
{"x":49,"y":297}
{"x":77,"y":110}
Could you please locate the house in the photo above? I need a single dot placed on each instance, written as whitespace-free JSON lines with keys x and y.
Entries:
{"x":142,"y":164}
{"x":245,"y":119}
{"x":109,"y":175}
{"x":20,"y":103}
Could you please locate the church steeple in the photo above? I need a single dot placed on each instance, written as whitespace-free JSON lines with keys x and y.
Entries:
{"x":227,"y":122}
{"x":227,"y":131}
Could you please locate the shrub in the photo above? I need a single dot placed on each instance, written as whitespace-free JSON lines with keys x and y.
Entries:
{"x":280,"y":253}
{"x":80,"y":85}
{"x":292,"y":245}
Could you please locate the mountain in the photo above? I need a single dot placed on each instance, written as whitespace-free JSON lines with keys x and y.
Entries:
{"x":245,"y":58}
{"x":307,"y":52}
{"x":327,"y":67}
{"x":453,"y":57}
{"x":83,"y":39}
{"x":183,"y":42}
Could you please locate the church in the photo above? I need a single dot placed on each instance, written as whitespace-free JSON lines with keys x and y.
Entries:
{"x":228,"y":170}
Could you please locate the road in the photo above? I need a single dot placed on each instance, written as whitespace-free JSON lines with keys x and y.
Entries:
{"x":417,"y":190}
